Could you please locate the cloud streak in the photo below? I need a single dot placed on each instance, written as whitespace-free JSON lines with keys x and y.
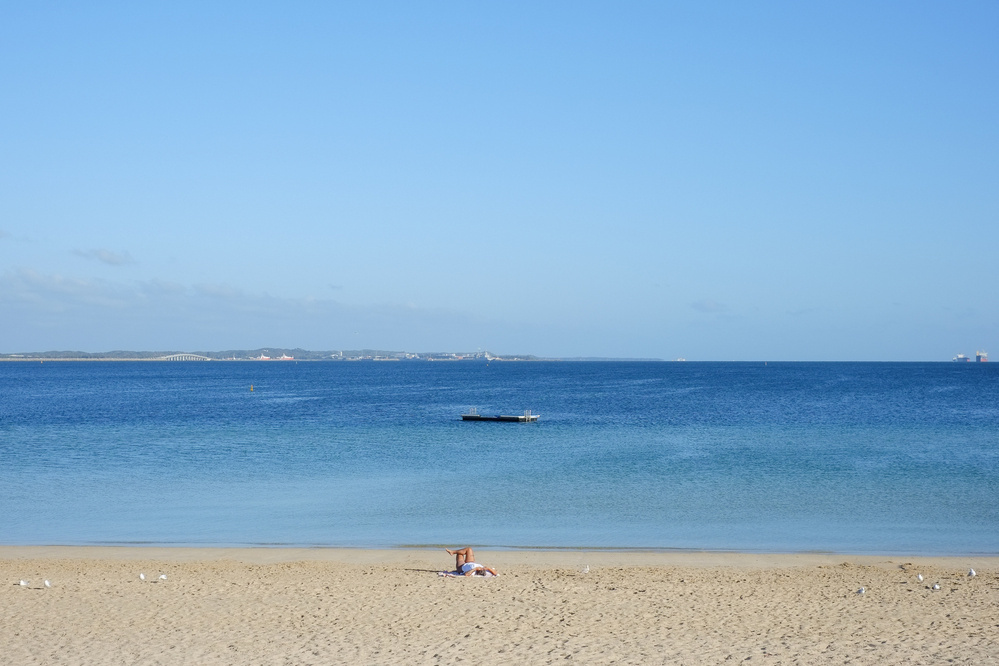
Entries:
{"x":58,"y":312}
{"x":56,"y":293}
{"x":709,"y":306}
{"x":106,"y":256}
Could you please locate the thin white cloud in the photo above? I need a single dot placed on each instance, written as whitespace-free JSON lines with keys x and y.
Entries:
{"x":161,"y":289}
{"x":221,"y":291}
{"x":106,"y":256}
{"x":57,"y":292}
{"x":59,"y":312}
{"x":709,"y":306}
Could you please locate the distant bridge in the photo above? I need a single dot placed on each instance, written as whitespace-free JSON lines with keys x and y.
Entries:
{"x":184,"y":357}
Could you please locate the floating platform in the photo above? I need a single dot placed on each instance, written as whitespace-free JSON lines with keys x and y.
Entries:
{"x":526,"y":417}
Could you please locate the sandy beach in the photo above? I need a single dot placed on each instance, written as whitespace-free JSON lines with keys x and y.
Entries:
{"x":323,"y":606}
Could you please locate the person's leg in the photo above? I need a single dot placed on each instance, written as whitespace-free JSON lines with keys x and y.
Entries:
{"x":461,"y":556}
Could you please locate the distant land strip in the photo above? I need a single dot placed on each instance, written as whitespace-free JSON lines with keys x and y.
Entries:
{"x":279,"y":354}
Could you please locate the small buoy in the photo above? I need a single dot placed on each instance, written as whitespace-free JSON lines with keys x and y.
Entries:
{"x":251,"y":388}
{"x":971,"y":573}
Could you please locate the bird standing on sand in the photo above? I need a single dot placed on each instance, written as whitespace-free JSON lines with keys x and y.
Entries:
{"x":971,"y":573}
{"x":142,"y":576}
{"x":48,"y":584}
{"x":162,"y":576}
{"x":919,"y":577}
{"x":862,"y":590}
{"x":936,"y":586}
{"x":24,"y":583}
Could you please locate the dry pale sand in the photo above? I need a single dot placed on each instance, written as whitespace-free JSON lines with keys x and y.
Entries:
{"x":326,"y":606}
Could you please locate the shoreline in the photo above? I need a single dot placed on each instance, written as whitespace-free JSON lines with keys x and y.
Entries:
{"x":324,"y":552}
{"x":634,"y":557}
{"x":391,"y":606}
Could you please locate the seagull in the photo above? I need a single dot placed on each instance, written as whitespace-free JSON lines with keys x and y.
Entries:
{"x":142,"y":576}
{"x":24,"y":583}
{"x":972,"y":573}
{"x":48,"y":584}
{"x":861,"y":590}
{"x":162,"y":576}
{"x":586,"y":569}
{"x":919,"y":577}
{"x":936,"y":586}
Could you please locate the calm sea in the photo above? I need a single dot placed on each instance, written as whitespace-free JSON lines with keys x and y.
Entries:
{"x":846,"y":457}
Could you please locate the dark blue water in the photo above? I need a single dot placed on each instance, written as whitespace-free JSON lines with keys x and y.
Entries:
{"x":847,"y":457}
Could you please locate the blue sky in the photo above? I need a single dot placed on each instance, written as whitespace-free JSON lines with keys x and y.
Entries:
{"x":730,"y":181}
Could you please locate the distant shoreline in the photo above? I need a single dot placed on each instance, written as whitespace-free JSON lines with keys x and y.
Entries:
{"x":315,"y":360}
{"x":27,"y":358}
{"x":273,"y":354}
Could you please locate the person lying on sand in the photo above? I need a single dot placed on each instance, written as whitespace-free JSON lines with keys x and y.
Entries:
{"x":464,"y":561}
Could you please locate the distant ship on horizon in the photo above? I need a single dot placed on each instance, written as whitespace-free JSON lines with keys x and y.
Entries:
{"x":980,"y":357}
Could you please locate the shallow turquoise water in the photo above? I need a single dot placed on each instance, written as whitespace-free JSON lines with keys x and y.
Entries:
{"x":848,"y":457}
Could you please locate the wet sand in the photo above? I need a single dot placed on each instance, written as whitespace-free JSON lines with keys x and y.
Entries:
{"x":324,"y":606}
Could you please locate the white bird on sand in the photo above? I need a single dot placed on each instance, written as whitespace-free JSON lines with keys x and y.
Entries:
{"x":861,"y":590}
{"x":162,"y":576}
{"x":919,"y":577}
{"x":142,"y":576}
{"x":586,"y":569}
{"x":47,"y":583}
{"x":936,"y":586}
{"x":972,"y":573}
{"x":24,"y":583}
